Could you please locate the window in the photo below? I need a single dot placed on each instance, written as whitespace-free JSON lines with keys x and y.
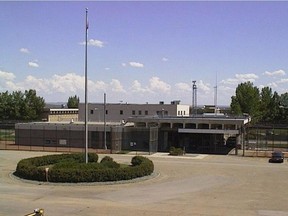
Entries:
{"x":146,"y":112}
{"x":140,"y":112}
{"x":91,"y":111}
{"x":133,"y":112}
{"x":121,"y":112}
{"x":106,"y":112}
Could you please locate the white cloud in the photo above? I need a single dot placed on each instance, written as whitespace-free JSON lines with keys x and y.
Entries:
{"x":37,"y":83}
{"x":272,"y":85}
{"x":24,"y":50}
{"x":275,"y":73}
{"x":137,"y":87}
{"x":204,"y":87}
{"x":164,"y":59}
{"x":183,"y":86}
{"x":6,"y":75}
{"x":158,"y":85}
{"x":246,"y":77}
{"x":283,"y":81}
{"x":116,"y":86}
{"x":93,"y":42}
{"x":240,"y":78}
{"x":98,"y":85}
{"x":69,"y":82}
{"x":136,"y":64}
{"x":230,"y":81}
{"x":123,"y":64}
{"x":33,"y":64}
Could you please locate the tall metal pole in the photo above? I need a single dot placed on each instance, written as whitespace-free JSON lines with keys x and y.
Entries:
{"x":105,"y":144}
{"x":86,"y":83}
{"x":194,"y":97}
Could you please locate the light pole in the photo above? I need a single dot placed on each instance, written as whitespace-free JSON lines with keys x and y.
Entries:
{"x":105,"y":144}
{"x":86,"y":98}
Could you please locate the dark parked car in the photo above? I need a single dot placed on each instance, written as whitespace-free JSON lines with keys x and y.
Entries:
{"x":277,"y":157}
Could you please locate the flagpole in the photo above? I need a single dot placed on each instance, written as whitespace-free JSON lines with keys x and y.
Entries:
{"x":86,"y":83}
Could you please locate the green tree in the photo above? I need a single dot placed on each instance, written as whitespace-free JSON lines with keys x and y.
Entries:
{"x":21,"y":106}
{"x":235,"y":106}
{"x":5,"y":104}
{"x":266,"y":105}
{"x":284,"y":100}
{"x":283,"y":108}
{"x":73,"y":102}
{"x":246,"y":100}
{"x":34,"y":105}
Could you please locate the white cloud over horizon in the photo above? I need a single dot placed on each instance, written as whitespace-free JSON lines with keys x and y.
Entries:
{"x":157,"y":85}
{"x":185,"y":87}
{"x":6,"y":75}
{"x":240,"y":78}
{"x":154,"y":88}
{"x":137,"y":87}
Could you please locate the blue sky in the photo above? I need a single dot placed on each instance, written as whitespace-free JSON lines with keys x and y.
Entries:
{"x":143,"y":51}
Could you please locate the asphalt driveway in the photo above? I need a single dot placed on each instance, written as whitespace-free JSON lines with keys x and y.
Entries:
{"x":192,"y":185}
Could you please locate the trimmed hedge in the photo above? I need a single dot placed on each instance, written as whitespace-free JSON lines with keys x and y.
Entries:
{"x":72,"y":168}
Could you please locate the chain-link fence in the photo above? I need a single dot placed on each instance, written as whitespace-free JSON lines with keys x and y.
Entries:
{"x":51,"y":137}
{"x":7,"y":135}
{"x":71,"y":138}
{"x":266,"y":138}
{"x":64,"y":137}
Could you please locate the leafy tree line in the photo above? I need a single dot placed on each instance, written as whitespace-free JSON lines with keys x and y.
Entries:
{"x":263,"y":106}
{"x":21,"y":105}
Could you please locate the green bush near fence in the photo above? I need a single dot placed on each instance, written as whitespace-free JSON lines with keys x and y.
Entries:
{"x":176,"y":151}
{"x":72,"y":168}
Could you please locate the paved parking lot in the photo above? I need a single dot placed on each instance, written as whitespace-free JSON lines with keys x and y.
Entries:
{"x":191,"y":185}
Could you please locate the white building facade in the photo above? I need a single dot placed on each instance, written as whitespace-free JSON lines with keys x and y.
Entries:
{"x":117,"y":112}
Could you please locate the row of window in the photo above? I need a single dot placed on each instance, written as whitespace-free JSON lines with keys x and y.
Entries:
{"x":63,"y":112}
{"x":181,"y":112}
{"x":121,"y":112}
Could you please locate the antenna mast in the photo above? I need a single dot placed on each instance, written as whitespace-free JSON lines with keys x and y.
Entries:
{"x":216,"y":95}
{"x":194,"y":97}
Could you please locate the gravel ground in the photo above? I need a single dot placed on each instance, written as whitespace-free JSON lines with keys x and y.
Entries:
{"x":190,"y":185}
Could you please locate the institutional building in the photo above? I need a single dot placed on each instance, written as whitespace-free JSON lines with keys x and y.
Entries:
{"x":140,"y":127}
{"x":116,"y":112}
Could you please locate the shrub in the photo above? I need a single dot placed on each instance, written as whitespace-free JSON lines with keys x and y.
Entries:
{"x":109,"y":163}
{"x":106,"y":159}
{"x":176,"y":151}
{"x":71,"y":168}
